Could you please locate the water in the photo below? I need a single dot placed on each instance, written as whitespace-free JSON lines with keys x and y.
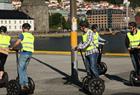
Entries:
{"x":116,"y":43}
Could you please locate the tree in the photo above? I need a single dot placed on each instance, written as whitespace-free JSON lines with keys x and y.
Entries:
{"x":116,"y":2}
{"x":56,"y":21}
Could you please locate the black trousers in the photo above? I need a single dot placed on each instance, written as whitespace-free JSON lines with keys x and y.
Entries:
{"x":3,"y":58}
{"x":135,"y":57}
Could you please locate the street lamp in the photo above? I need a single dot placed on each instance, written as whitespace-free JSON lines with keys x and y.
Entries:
{"x":127,"y":3}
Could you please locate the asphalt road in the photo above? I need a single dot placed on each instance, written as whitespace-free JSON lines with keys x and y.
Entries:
{"x":51,"y":71}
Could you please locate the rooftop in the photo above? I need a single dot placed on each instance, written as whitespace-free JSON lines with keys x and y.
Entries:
{"x":13,"y":14}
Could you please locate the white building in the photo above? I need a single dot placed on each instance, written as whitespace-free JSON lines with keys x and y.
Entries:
{"x":6,"y":5}
{"x":14,"y":19}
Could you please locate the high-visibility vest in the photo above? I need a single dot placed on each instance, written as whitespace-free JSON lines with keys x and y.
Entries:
{"x":85,"y":37}
{"x":134,"y":39}
{"x":95,"y":39}
{"x":4,"y":41}
{"x":28,"y":42}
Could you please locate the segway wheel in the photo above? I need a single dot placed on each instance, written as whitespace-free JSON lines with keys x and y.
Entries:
{"x":102,"y":67}
{"x":85,"y":83}
{"x":31,"y":85}
{"x":132,"y":77}
{"x":13,"y":88}
{"x":96,"y":86}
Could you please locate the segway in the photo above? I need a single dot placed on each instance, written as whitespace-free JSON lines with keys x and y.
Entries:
{"x":92,"y":84}
{"x":102,"y":67}
{"x":14,"y":88}
{"x":4,"y":80}
{"x":134,"y":80}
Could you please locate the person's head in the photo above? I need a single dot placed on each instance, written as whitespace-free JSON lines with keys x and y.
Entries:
{"x":3,"y":29}
{"x":94,"y":27}
{"x":132,"y":26}
{"x":26,"y":27}
{"x":83,"y":25}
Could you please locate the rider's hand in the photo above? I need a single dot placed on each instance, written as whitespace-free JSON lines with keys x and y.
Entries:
{"x":129,"y":49}
{"x":10,"y":48}
{"x":105,"y":42}
{"x":75,"y":48}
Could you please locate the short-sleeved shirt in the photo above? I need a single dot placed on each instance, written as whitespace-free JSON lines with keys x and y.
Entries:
{"x":21,"y":37}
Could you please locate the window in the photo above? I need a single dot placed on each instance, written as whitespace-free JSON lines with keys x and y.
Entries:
{"x":20,"y":27}
{"x":2,"y":22}
{"x":5,"y":22}
{"x":9,"y":22}
{"x":20,"y":22}
{"x":9,"y":27}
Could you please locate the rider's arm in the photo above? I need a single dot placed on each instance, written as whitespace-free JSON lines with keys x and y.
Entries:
{"x":127,"y":42}
{"x":101,"y":39}
{"x":20,"y":38}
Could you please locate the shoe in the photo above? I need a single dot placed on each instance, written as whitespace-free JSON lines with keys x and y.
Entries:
{"x":24,"y":88}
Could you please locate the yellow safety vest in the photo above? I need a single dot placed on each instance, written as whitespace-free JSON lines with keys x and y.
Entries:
{"x":4,"y":41}
{"x":134,"y":39}
{"x":28,"y":42}
{"x":85,"y":38}
{"x":95,"y":39}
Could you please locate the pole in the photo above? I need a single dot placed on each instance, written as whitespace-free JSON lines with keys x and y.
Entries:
{"x":127,"y":13}
{"x":74,"y":63}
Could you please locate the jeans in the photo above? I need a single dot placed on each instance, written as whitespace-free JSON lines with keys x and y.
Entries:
{"x":22,"y":67}
{"x":91,"y":64}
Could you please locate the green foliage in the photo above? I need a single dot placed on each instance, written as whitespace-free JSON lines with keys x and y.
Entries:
{"x":134,"y":3}
{"x":138,"y":14}
{"x":116,"y":2}
{"x":56,"y":21}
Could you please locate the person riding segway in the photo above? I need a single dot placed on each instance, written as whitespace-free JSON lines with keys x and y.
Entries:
{"x":99,"y":42}
{"x":4,"y":45}
{"x":91,"y":82}
{"x":133,"y":46}
{"x":23,"y":83}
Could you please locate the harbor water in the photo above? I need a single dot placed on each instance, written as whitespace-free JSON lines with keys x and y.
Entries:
{"x":116,"y":43}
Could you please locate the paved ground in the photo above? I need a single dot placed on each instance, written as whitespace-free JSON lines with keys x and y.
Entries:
{"x":50,"y":75}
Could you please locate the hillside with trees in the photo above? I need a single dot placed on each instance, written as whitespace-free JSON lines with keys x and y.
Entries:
{"x":133,"y":3}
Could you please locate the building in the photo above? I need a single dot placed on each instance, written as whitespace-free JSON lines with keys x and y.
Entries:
{"x":107,"y":18}
{"x":38,"y":10}
{"x":14,"y":19}
{"x":6,"y":5}
{"x":98,"y":17}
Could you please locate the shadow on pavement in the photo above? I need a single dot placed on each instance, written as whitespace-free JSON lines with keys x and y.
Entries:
{"x":125,"y":93}
{"x":82,"y":70}
{"x":68,"y":78}
{"x":117,"y":78}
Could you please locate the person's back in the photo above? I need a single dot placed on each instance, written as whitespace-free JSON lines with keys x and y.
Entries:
{"x":4,"y":48}
{"x":27,"y":41}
